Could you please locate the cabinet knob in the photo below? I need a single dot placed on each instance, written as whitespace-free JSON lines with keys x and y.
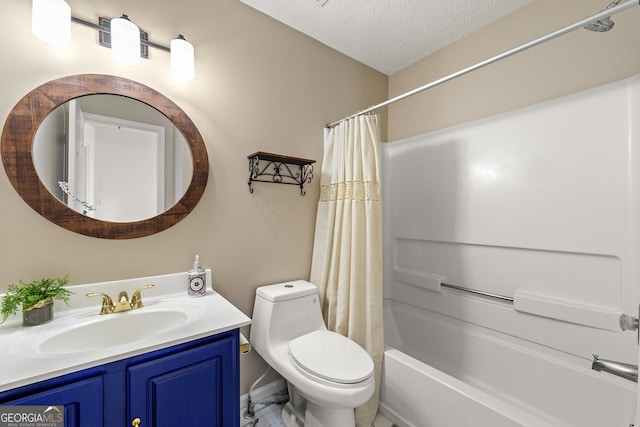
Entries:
{"x":136,"y":422}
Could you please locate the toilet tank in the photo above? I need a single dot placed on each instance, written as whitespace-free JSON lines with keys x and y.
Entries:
{"x":285,"y":311}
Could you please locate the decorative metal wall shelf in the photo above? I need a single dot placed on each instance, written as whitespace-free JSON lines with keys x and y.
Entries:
{"x":280,"y":169}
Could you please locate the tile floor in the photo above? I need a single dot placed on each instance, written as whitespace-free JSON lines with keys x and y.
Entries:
{"x":381,"y":421}
{"x":267,"y":417}
{"x":270,"y":417}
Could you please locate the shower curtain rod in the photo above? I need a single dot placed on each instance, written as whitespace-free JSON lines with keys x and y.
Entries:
{"x":560,"y":32}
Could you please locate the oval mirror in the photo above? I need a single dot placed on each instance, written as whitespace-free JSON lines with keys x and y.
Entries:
{"x":112,"y":158}
{"x":104,"y":156}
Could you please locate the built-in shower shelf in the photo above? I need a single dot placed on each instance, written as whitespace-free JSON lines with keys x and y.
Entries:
{"x":279,"y":169}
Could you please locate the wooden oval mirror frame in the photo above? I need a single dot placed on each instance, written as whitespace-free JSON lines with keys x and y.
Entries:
{"x":16,"y":148}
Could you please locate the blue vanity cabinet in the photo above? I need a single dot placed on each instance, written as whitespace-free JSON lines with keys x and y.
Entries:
{"x":190,"y":384}
{"x":82,"y":401}
{"x":196,"y":387}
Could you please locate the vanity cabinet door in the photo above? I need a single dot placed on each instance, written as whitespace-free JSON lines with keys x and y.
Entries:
{"x":82,"y":401}
{"x":196,"y":387}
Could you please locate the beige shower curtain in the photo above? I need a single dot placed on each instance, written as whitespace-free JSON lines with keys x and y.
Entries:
{"x":347,"y":253}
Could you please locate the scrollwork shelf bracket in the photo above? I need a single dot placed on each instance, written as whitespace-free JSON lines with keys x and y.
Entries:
{"x":279,"y":169}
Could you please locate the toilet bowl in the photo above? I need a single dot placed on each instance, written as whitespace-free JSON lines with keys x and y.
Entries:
{"x":330,"y":372}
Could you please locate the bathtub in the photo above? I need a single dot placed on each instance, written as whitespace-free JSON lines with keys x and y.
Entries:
{"x":438,"y":372}
{"x":419,"y":395}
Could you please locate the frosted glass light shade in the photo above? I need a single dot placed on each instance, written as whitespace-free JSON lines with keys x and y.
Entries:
{"x":125,"y":41}
{"x":182,"y":59}
{"x":51,"y":21}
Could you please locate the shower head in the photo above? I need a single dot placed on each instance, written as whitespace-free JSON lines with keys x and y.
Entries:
{"x":603,"y":24}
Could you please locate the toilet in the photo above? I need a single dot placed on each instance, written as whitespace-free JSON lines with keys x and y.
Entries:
{"x":327,"y":374}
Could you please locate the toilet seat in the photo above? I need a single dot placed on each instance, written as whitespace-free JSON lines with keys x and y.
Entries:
{"x":331,"y":356}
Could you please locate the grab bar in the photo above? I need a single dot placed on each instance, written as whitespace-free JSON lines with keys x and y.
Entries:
{"x":478,"y":292}
{"x":530,"y":302}
{"x":561,"y":310}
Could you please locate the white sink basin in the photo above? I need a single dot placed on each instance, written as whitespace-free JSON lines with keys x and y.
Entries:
{"x":89,"y":331}
{"x":112,"y":330}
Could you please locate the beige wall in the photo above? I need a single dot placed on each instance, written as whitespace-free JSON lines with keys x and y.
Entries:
{"x":259,"y":86}
{"x":574,"y":62}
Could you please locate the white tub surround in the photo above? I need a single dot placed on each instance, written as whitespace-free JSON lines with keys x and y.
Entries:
{"x":541,"y":206}
{"x":25,"y":360}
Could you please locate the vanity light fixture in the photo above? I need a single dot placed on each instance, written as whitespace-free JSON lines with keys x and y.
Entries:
{"x":51,"y":22}
{"x":182,"y":61}
{"x":125,"y":41}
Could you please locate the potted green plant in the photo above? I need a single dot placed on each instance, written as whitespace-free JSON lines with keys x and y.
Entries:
{"x":35,"y":298}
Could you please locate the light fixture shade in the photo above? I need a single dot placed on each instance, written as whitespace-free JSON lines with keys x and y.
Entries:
{"x":125,"y":41}
{"x":51,"y":21}
{"x":182,"y":59}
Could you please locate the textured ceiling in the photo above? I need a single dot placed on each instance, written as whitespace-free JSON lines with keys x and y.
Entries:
{"x":387,"y":35}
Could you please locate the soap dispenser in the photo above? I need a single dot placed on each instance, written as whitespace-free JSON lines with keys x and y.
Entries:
{"x":197,"y":280}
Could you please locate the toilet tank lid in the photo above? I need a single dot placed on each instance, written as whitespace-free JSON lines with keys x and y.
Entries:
{"x":286,"y":291}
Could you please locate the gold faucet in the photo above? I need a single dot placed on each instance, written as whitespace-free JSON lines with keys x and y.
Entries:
{"x":123,"y":303}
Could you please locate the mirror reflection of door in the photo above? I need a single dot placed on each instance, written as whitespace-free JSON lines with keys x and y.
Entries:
{"x":124,"y":177}
{"x":117,"y":160}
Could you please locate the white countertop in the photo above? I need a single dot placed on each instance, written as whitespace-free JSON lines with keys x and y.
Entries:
{"x":22,"y":363}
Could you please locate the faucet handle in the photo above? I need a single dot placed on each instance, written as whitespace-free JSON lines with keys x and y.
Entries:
{"x":630,"y":323}
{"x":107,"y":302}
{"x":136,"y":299}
